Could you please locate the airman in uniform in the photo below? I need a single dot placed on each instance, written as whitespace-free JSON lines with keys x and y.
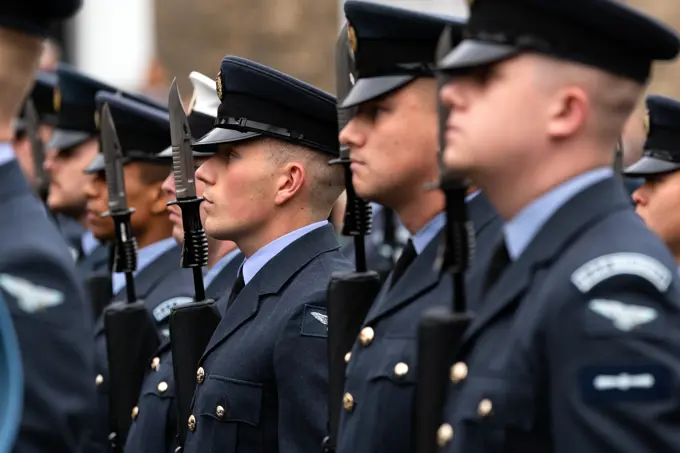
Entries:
{"x":575,"y":344}
{"x":394,"y":151}
{"x":37,"y":275}
{"x":262,"y":381}
{"x":657,"y":198}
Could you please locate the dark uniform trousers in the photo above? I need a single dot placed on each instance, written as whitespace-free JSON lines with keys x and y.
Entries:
{"x":263,"y":380}
{"x":161,"y":285}
{"x":382,"y":368}
{"x":154,"y":427}
{"x":54,"y":333}
{"x":576,"y":347}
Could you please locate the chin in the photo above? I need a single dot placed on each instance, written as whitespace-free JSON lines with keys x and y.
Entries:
{"x":178,"y":235}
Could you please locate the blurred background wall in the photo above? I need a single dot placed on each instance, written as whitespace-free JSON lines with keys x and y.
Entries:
{"x":141,"y":44}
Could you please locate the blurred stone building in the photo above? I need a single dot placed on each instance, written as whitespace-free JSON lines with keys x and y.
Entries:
{"x":296,"y":36}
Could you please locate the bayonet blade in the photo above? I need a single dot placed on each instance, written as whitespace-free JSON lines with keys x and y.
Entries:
{"x":37,"y":147}
{"x":113,"y":158}
{"x":180,"y":138}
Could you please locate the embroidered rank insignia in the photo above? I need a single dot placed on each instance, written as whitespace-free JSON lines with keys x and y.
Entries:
{"x":314,"y":322}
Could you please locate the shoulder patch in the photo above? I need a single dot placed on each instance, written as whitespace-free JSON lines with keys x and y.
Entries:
{"x":625,"y":317}
{"x":605,"y":267}
{"x":314,"y":322}
{"x":29,"y":296}
{"x":164,"y":309}
{"x":613,"y":384}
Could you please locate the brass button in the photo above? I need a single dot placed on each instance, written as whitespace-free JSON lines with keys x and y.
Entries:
{"x":348,"y":402}
{"x":459,"y":372}
{"x":200,"y":375}
{"x":162,"y":386}
{"x":155,"y":364}
{"x":400,"y":370}
{"x":366,"y":336}
{"x":99,"y":380}
{"x":444,"y":435}
{"x":135,"y":413}
{"x":192,"y":423}
{"x":219,"y":410}
{"x":347,"y":357}
{"x":485,"y":407}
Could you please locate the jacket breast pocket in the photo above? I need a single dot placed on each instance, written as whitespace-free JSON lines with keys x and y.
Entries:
{"x":230,"y":411}
{"x":493,"y":414}
{"x":391,"y":391}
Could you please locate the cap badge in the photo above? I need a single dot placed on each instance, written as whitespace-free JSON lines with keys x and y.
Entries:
{"x":56,"y":100}
{"x":219,"y":84}
{"x":352,"y":38}
{"x":646,"y":122}
{"x":96,"y":119}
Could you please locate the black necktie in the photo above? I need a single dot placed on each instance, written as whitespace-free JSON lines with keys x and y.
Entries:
{"x":405,"y":259}
{"x":499,"y":261}
{"x":239,"y":284}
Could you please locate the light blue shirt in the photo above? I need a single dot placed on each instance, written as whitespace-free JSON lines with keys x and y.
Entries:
{"x":251,"y":266}
{"x":6,"y":153}
{"x":521,"y":230}
{"x":217,"y":268}
{"x":145,"y":256}
{"x":88,"y":242}
{"x":423,"y":237}
{"x":428,"y":232}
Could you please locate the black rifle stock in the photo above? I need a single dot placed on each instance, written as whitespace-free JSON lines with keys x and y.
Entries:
{"x":441,"y":329}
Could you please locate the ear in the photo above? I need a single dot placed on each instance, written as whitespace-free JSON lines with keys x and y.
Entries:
{"x":158,"y":199}
{"x":291,"y":178}
{"x":568,"y":112}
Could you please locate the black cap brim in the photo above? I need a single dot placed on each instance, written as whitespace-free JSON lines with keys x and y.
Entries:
{"x":649,"y":166}
{"x":472,"y":53}
{"x":64,"y":139}
{"x":373,"y":87}
{"x":207,"y":145}
{"x":98,"y":164}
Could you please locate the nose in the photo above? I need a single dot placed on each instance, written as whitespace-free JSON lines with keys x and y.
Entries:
{"x":351,"y":134}
{"x":639,"y":196}
{"x":450,"y":94}
{"x":168,"y":186}
{"x":50,"y":161}
{"x":204,"y":173}
{"x":90,"y":189}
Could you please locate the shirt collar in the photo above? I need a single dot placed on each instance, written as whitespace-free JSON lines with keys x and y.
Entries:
{"x":6,"y":153}
{"x":520,"y":231}
{"x":423,"y":237}
{"x":257,"y":261}
{"x":428,"y":232}
{"x":219,"y":266}
{"x":145,"y":256}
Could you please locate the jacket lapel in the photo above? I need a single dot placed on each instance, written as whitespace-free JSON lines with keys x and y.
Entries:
{"x":419,"y":277}
{"x":579,"y":213}
{"x":481,"y":213}
{"x":270,"y":279}
{"x":224,"y":280}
